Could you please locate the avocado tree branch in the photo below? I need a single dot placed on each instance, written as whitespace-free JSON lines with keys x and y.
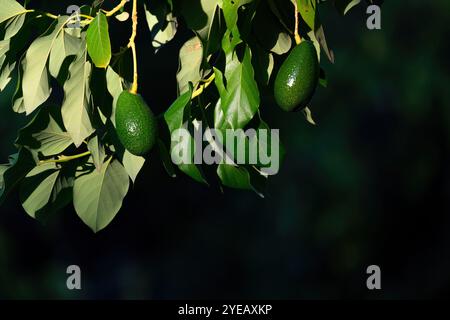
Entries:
{"x":132,"y":45}
{"x":87,"y":17}
{"x":298,"y":39}
{"x":115,"y":9}
{"x":61,"y":159}
{"x":52,"y":16}
{"x":46,"y":14}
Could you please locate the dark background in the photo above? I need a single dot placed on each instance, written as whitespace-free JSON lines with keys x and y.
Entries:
{"x":369,"y":185}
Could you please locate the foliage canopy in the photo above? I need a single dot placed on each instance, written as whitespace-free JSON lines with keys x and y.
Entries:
{"x":69,"y":152}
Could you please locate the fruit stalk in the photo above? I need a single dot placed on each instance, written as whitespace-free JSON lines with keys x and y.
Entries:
{"x":132,"y":45}
{"x":297,"y":37}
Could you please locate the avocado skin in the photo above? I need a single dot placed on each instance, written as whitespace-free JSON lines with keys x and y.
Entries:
{"x":297,"y":78}
{"x":135,"y":124}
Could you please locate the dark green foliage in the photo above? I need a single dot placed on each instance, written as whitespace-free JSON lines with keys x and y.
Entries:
{"x":72,"y":152}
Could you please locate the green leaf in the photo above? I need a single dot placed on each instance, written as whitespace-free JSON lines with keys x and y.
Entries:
{"x":191,"y":57}
{"x":215,"y":33}
{"x":20,"y":164}
{"x":165,"y":158}
{"x":97,"y":151}
{"x":345,"y":6}
{"x":75,"y":108}
{"x":39,"y":122}
{"x":115,"y":87}
{"x":65,"y":46}
{"x":307,"y":9}
{"x":14,"y":25}
{"x":319,"y":36}
{"x":133,"y":164}
{"x":35,"y":85}
{"x":5,"y":75}
{"x":308,"y":115}
{"x":312,"y":36}
{"x":37,"y":187}
{"x":98,"y":195}
{"x":240,"y":99}
{"x":219,"y":119}
{"x":17,"y":98}
{"x":3,"y":168}
{"x":122,"y":17}
{"x":234,"y":176}
{"x":230,"y":12}
{"x":60,"y":197}
{"x":263,"y":63}
{"x":98,"y":41}
{"x":10,"y":9}
{"x":199,"y":15}
{"x":269,"y":32}
{"x":283,"y":44}
{"x":239,"y":177}
{"x":4,"y":47}
{"x":161,"y":31}
{"x":174,"y":118}
{"x":53,"y":140}
{"x":7,"y":66}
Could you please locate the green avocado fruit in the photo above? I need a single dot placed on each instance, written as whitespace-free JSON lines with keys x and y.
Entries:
{"x":135,"y":123}
{"x":297,"y":78}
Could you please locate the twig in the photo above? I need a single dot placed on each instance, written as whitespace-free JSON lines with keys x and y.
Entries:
{"x":298,"y":39}
{"x":61,"y":159}
{"x":132,"y":45}
{"x":203,"y":86}
{"x":115,"y":9}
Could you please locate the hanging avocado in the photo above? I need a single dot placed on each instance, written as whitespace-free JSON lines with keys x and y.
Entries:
{"x":297,"y":78}
{"x":135,"y":123}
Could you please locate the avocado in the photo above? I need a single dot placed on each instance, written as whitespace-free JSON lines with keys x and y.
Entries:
{"x":135,"y":123}
{"x":297,"y":78}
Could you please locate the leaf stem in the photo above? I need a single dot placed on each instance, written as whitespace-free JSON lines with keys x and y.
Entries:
{"x":86,"y":16}
{"x":52,"y":16}
{"x":298,"y":39}
{"x":115,"y":9}
{"x":61,"y":159}
{"x":132,"y":45}
{"x":203,"y":86}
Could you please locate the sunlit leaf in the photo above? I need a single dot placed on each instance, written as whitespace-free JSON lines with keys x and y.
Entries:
{"x":98,"y":41}
{"x":132,"y":164}
{"x":345,"y":6}
{"x":52,"y":139}
{"x":35,"y":85}
{"x":161,"y":31}
{"x":97,"y":152}
{"x":240,"y":99}
{"x":98,"y":195}
{"x":174,"y":118}
{"x":191,"y":55}
{"x":115,"y":87}
{"x":37,"y":187}
{"x":20,"y":164}
{"x":75,"y":108}
{"x":10,"y":9}
{"x":65,"y":45}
